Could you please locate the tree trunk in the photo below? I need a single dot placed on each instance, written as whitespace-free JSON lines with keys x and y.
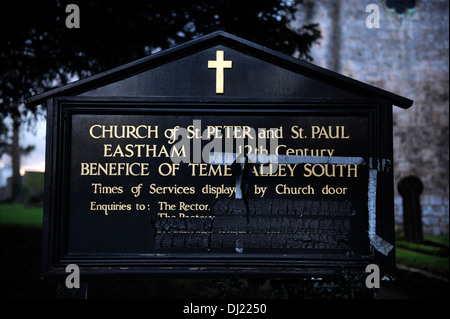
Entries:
{"x":15,"y":158}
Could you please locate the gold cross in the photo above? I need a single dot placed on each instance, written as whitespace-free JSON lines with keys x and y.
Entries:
{"x":219,"y":65}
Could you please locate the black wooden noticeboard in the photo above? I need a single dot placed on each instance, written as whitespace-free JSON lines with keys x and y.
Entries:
{"x":123,"y":196}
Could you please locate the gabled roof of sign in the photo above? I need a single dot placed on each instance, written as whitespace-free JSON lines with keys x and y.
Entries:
{"x":226,"y":39}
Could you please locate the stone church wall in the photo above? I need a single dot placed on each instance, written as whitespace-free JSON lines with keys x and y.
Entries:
{"x":408,"y":55}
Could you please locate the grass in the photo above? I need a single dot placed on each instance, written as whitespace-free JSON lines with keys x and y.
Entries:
{"x":432,"y":255}
{"x":437,"y":265}
{"x":19,"y":215}
{"x":440,"y":240}
{"x":429,"y":247}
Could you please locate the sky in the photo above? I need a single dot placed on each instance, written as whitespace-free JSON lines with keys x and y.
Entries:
{"x":35,"y":161}
{"x":35,"y":135}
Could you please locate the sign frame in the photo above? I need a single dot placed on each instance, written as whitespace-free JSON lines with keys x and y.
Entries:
{"x":55,"y":259}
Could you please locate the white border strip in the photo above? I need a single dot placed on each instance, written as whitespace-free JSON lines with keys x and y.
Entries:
{"x":221,"y":158}
{"x":377,"y":242}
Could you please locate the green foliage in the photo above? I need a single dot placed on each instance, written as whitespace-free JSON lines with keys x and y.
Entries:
{"x":431,"y":255}
{"x":438,"y":240}
{"x":437,"y":265}
{"x":345,"y":286}
{"x":424,"y":248}
{"x":33,"y":189}
{"x":39,"y":51}
{"x":236,"y":288}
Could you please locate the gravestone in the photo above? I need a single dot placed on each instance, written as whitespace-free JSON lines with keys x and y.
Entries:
{"x":215,"y":157}
{"x":410,"y":188}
